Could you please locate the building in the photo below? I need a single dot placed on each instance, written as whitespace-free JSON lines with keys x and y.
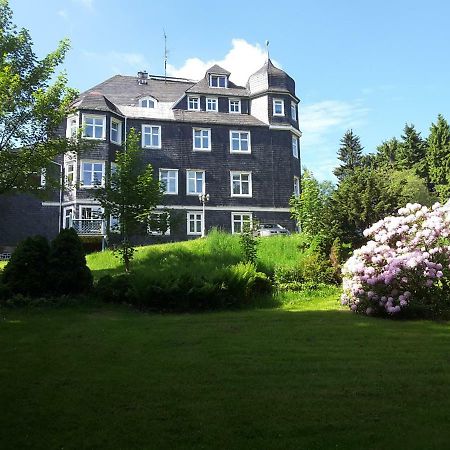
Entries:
{"x":240,"y":145}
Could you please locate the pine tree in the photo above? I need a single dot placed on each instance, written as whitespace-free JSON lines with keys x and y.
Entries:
{"x":387,"y":153}
{"x":411,"y":152}
{"x":350,"y":153}
{"x":438,"y":157}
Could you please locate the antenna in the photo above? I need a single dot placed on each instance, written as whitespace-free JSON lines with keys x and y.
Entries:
{"x":165,"y":56}
{"x":267,"y":50}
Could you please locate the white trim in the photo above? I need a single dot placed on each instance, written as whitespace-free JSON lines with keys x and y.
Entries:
{"x":94,"y":116}
{"x":295,"y":139}
{"x":69,"y":132}
{"x":119,"y":131}
{"x":194,"y":212}
{"x":274,"y":100}
{"x":201,"y":149}
{"x":296,"y":186}
{"x":248,"y":140}
{"x":239,"y":105}
{"x":203,"y":184}
{"x":148,"y":97}
{"x":221,"y":75}
{"x":216,"y":100}
{"x":198,"y":102}
{"x":294,"y":110}
{"x":250,"y":183}
{"x":143,"y":135}
{"x":176,"y":181}
{"x":240,"y":213}
{"x":286,"y":128}
{"x":158,"y":232}
{"x":66,"y":172}
{"x":91,"y":161}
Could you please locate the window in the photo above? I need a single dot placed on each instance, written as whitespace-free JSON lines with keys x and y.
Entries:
{"x":211,"y":104}
{"x":194,"y":103}
{"x":116,"y":131}
{"x":151,"y":136}
{"x":114,"y":224}
{"x":201,"y":138}
{"x":159,"y":224}
{"x":234,"y":106}
{"x":94,"y":126}
{"x":147,"y":102}
{"x":169,"y":180}
{"x":296,"y":186}
{"x":240,"y":221}
{"x":278,"y":107}
{"x":218,"y":81}
{"x":72,"y":127}
{"x":293,"y":111}
{"x":195,"y":182}
{"x":91,"y":212}
{"x":241,"y":184}
{"x":70,"y":171}
{"x":92,"y":173}
{"x":295,"y":146}
{"x":67,"y":217}
{"x":240,"y":141}
{"x":194,"y":223}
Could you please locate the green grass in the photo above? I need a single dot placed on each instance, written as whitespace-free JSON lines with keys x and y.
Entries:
{"x":308,"y":376}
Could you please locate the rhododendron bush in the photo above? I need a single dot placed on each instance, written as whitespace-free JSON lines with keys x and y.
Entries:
{"x":405,"y":263}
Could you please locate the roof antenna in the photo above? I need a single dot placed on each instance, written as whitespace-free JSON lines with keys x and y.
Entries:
{"x":165,"y":56}
{"x":267,"y":50}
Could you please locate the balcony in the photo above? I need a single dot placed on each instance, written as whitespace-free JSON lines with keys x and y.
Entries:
{"x":89,"y":227}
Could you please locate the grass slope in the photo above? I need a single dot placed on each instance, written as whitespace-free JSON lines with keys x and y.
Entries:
{"x":313,"y":377}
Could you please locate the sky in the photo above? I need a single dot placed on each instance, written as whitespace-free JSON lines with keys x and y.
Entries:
{"x":367,"y":66}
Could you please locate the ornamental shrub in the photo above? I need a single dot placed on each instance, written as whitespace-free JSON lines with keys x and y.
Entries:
{"x":404,"y":266}
{"x":27,"y":271}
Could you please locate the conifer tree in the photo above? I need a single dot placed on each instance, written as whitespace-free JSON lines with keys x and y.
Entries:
{"x":387,"y":153}
{"x":411,"y":152}
{"x":350,"y":154}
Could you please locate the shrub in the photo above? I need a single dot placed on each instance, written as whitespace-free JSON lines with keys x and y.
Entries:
{"x":68,"y":271}
{"x":404,"y":267}
{"x":249,"y":245}
{"x":27,"y":271}
{"x":117,"y":289}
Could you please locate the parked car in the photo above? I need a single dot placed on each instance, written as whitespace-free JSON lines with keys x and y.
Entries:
{"x":271,"y":229}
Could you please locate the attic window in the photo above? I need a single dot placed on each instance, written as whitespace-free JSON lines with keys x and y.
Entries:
{"x":147,"y":102}
{"x":219,"y":81}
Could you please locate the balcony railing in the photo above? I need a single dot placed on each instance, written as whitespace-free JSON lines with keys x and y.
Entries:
{"x":89,"y":227}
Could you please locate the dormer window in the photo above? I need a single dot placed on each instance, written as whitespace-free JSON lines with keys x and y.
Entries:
{"x":193,"y":103}
{"x":219,"y":81}
{"x":147,"y":102}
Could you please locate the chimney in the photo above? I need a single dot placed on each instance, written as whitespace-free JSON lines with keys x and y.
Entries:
{"x":142,"y":77}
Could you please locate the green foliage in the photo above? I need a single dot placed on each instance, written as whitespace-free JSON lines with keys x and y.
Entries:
{"x":386,"y":155}
{"x":411,"y":151}
{"x":68,"y":271}
{"x":350,"y":155}
{"x":130,"y":194}
{"x":249,"y":245}
{"x":33,"y":103}
{"x":26,"y":272}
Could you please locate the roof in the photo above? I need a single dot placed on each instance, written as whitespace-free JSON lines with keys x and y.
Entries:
{"x":217,"y":70}
{"x":95,"y":101}
{"x":270,"y":78}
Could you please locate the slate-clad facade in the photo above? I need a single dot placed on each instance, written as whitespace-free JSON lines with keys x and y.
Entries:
{"x":240,"y":145}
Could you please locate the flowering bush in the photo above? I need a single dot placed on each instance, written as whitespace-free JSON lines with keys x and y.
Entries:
{"x":406,"y":263}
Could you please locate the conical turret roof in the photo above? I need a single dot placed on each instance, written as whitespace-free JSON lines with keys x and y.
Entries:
{"x":270,"y":78}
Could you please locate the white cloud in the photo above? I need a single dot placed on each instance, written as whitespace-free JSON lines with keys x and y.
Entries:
{"x":86,"y":4}
{"x":242,"y":60}
{"x":120,"y":62}
{"x":63,"y":13}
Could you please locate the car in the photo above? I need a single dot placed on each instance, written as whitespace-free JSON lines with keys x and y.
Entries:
{"x":271,"y":229}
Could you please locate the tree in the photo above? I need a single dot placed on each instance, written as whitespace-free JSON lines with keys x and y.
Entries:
{"x":32,"y":107}
{"x":308,"y":208}
{"x":130,"y":195}
{"x":386,"y":155}
{"x":411,"y":151}
{"x":350,"y":153}
{"x":438,"y":157}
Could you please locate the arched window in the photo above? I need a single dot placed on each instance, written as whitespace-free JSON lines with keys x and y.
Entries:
{"x":147,"y":102}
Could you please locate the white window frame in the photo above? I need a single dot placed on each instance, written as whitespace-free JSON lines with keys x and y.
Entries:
{"x":188,"y":171}
{"x":249,"y":143}
{"x":145,"y":133}
{"x":218,"y":76}
{"x":176,"y":180}
{"x":72,"y":127}
{"x":240,"y":173}
{"x":201,"y":148}
{"x":214,"y":101}
{"x":96,"y":209}
{"x":295,"y":145}
{"x":192,"y":98}
{"x":91,"y":161}
{"x":232,"y":110}
{"x":94,"y":116}
{"x":159,"y":232}
{"x":73,"y":172}
{"x":275,"y":101}
{"x":241,"y":221}
{"x":296,"y":186}
{"x":119,"y":131}
{"x":68,"y":215}
{"x":196,"y":232}
{"x":294,"y":111}
{"x":147,"y":99}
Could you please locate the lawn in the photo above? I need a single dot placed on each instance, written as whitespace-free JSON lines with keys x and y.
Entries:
{"x":307,"y":375}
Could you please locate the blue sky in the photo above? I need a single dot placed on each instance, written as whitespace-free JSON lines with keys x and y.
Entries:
{"x":369,"y":66}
